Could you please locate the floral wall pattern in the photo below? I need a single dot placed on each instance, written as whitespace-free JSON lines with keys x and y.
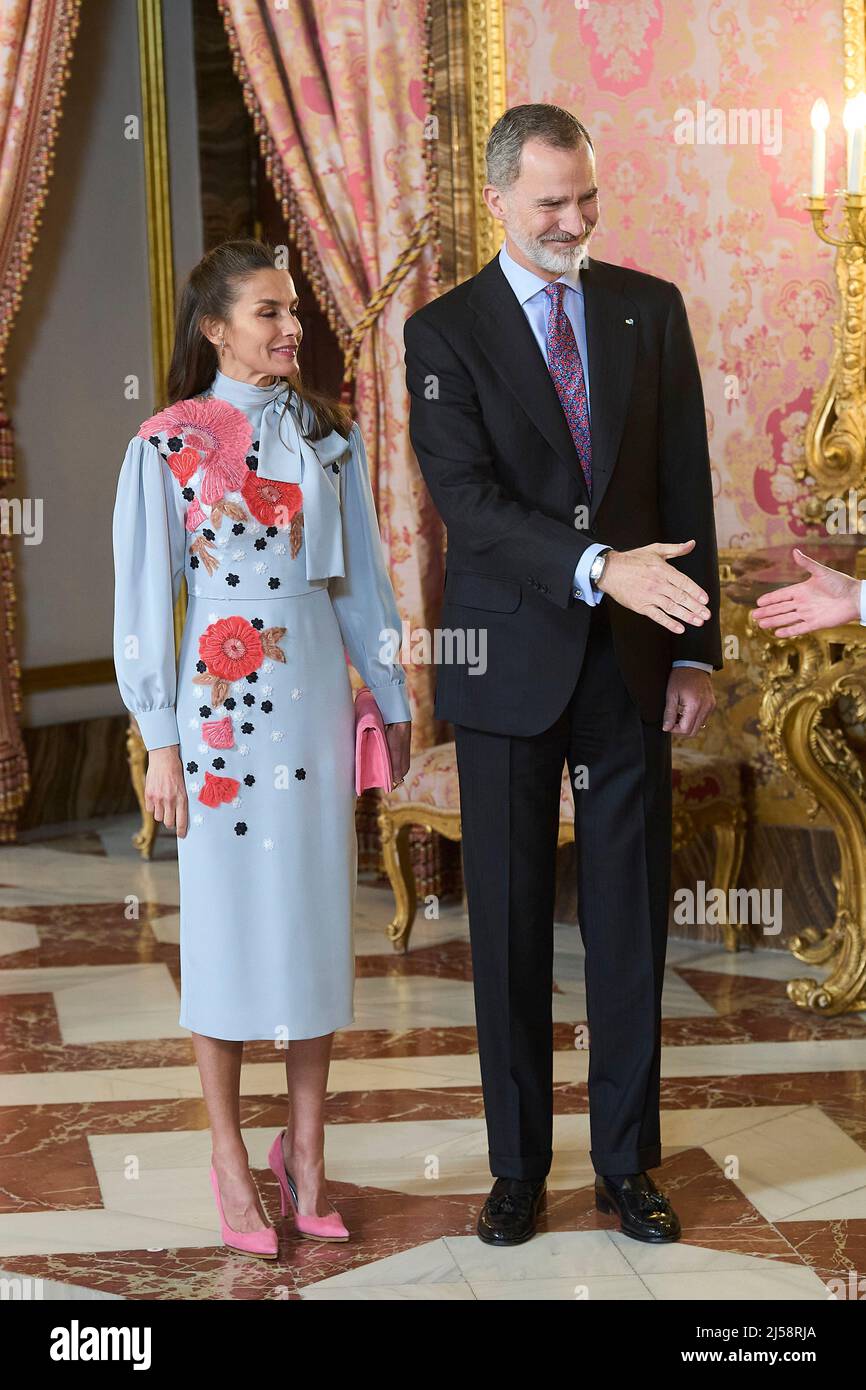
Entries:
{"x":725,"y":221}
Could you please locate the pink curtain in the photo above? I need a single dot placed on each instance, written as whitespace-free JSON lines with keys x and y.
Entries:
{"x":341,"y":95}
{"x":35,"y":47}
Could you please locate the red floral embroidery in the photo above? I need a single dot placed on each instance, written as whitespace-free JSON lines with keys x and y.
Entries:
{"x":231,"y":647}
{"x":184,"y":464}
{"x":221,"y":431}
{"x":218,"y":733}
{"x":270,"y":501}
{"x":217,"y":790}
{"x":194,"y":515}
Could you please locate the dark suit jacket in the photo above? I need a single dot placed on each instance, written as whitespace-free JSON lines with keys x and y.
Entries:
{"x":496,"y":453}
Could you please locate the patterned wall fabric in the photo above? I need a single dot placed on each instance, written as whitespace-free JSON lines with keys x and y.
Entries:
{"x":699,"y":110}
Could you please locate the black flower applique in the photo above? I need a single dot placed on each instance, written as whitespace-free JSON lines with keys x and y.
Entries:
{"x":273,"y":583}
{"x":201,"y":666}
{"x":241,"y":827}
{"x":208,"y":534}
{"x":188,"y":493}
{"x":272,"y":531}
{"x":267,"y":706}
{"x":251,"y":462}
{"x":300,"y":773}
{"x":192,"y":767}
{"x":204,"y":711}
{"x":233,"y":580}
{"x":257,"y":623}
{"x":252,"y":676}
{"x":175,"y":444}
{"x":154,"y":439}
{"x":193,"y":562}
{"x":261,"y":543}
{"x":247,"y":728}
{"x":230,"y":702}
{"x":238,"y":528}
{"x":219,"y":762}
{"x":249,"y":699}
{"x":249,"y":780}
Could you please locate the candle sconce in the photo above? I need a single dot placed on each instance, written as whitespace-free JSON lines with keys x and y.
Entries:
{"x":834,"y":459}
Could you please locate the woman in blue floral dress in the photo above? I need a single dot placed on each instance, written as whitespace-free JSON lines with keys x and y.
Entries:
{"x":257,"y":490}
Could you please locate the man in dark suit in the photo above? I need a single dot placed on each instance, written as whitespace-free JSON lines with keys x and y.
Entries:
{"x":558,"y":420}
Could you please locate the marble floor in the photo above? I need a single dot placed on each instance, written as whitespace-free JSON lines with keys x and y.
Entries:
{"x":104,"y":1145}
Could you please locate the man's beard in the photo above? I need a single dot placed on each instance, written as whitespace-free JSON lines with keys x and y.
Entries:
{"x":555,"y":256}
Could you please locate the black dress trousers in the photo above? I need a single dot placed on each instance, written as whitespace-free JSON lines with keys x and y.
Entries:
{"x":509,"y":797}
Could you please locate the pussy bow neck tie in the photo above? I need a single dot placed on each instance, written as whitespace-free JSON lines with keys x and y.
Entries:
{"x":285,"y":455}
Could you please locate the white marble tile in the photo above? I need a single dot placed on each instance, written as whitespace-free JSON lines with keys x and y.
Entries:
{"x":680,"y":1258}
{"x":785,"y":1283}
{"x":593,"y":1289}
{"x":416,"y":1293}
{"x":760,"y":964}
{"x":76,"y":1232}
{"x":167,"y":929}
{"x":17,"y":936}
{"x":679,"y":1000}
{"x":401,"y":1002}
{"x":129,"y":1002}
{"x":102,"y":1003}
{"x":429,"y":1264}
{"x":575,"y":1255}
{"x":765,"y":1058}
{"x":790,"y":1164}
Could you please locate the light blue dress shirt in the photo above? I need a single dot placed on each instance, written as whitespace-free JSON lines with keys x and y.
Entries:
{"x":529,"y":289}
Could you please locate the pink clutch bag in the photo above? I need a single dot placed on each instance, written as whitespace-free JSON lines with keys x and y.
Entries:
{"x":372,"y":755}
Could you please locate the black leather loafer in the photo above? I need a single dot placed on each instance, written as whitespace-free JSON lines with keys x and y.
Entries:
{"x":644,"y":1212}
{"x":510,"y":1213}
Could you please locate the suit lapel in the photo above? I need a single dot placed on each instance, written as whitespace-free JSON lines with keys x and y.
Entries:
{"x":504,"y":335}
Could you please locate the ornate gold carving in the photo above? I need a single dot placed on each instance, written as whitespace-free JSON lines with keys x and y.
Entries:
{"x":813,"y":715}
{"x":161,"y":265}
{"x":486,"y":37}
{"x":727,"y":821}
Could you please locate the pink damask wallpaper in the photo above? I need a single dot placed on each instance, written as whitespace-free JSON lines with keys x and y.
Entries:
{"x":699,"y":112}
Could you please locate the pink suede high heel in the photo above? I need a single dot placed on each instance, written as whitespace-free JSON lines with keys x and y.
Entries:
{"x":328,"y":1227}
{"x":263,"y":1244}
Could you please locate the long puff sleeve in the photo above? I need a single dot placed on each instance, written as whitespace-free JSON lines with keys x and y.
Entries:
{"x":363,"y":598}
{"x":149,"y":537}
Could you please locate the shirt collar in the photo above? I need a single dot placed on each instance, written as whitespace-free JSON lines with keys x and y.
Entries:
{"x":525,"y":283}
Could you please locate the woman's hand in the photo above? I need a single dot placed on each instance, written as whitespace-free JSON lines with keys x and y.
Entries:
{"x":164,"y":789}
{"x":399,"y":736}
{"x":826,"y":599}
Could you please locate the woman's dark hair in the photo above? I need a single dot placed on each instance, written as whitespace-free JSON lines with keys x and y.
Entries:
{"x":211,"y":290}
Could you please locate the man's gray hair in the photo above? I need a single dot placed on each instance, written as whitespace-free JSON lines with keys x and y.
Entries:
{"x":536,"y":120}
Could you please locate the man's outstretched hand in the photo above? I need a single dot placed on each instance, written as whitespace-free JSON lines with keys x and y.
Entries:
{"x":643,"y":580}
{"x":826,"y":599}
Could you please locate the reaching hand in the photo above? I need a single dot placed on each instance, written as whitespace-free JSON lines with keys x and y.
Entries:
{"x":643,"y":581}
{"x":826,"y":599}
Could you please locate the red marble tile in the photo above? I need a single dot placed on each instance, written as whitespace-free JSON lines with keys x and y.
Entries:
{"x":89,"y":934}
{"x":836,"y":1250}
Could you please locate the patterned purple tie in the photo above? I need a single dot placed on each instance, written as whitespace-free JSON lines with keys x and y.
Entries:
{"x":566,"y":369}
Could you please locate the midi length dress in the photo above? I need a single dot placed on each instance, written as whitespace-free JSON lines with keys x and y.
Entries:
{"x":279,"y":542}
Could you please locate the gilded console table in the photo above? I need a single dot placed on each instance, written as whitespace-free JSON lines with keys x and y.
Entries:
{"x":813,"y":718}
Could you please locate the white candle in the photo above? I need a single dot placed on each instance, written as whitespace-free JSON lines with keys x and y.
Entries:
{"x":820,"y":122}
{"x":854,"y":121}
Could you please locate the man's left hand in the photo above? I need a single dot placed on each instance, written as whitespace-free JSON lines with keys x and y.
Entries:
{"x":690,"y":701}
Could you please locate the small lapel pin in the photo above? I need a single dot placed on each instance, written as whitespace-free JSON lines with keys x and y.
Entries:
{"x":630,"y":321}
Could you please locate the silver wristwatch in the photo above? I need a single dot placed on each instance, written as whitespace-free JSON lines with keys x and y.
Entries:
{"x":596,"y":569}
